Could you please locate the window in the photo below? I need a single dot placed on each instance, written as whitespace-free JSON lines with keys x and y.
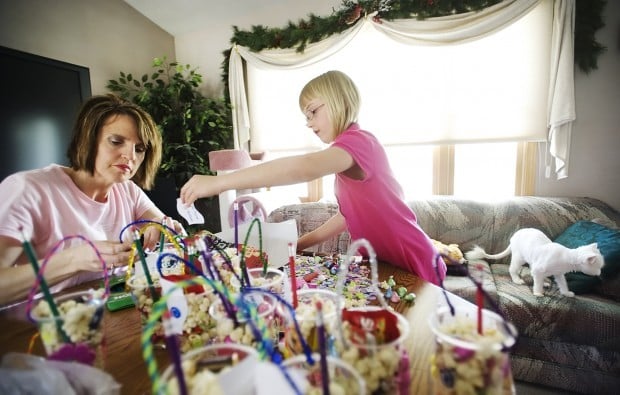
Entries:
{"x":447,"y":114}
{"x":491,"y":170}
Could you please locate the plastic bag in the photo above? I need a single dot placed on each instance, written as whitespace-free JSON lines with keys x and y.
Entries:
{"x":29,"y":374}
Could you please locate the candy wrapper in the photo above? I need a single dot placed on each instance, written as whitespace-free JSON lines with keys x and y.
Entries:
{"x":381,"y":325}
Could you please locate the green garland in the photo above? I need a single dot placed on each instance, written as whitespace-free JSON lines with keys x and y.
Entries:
{"x":588,"y":20}
{"x":314,"y":28}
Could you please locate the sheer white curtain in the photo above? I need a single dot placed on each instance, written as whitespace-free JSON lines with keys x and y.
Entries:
{"x":445,"y":103}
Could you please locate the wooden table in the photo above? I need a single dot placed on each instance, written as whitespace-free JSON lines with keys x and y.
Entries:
{"x":124,"y":356}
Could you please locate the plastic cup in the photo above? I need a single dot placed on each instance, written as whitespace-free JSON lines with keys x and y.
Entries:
{"x":202,"y":366}
{"x":265,"y":304}
{"x":376,"y":361}
{"x":81,"y":320}
{"x":306,"y":317}
{"x":465,"y":361}
{"x":196,"y":328}
{"x":272,"y":281}
{"x":343,"y":378}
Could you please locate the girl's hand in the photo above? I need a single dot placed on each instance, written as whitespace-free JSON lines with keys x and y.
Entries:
{"x":197,"y":187}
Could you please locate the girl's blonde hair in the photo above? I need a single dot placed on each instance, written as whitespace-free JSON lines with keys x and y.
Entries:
{"x":339,"y":94}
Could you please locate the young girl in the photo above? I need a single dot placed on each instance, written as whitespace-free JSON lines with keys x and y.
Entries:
{"x":371,"y":202}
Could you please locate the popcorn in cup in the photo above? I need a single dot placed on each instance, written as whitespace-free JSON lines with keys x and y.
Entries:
{"x":78,"y":333}
{"x":198,"y":325}
{"x":227,"y":331}
{"x":211,"y":369}
{"x":343,"y":378}
{"x":467,"y":362}
{"x":371,"y":340}
{"x":306,"y":316}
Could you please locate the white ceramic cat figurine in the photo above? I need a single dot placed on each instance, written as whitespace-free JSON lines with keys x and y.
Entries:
{"x":545,"y":258}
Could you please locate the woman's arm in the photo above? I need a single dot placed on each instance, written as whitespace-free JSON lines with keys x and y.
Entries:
{"x":17,"y":274}
{"x":331,"y":228}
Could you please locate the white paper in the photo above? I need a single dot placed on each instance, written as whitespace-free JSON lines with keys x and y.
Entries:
{"x":269,"y":380}
{"x":239,"y":379}
{"x":276,"y":236}
{"x":190,"y":213}
{"x":177,"y":305}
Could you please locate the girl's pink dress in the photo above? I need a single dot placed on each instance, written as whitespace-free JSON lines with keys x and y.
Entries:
{"x":375,"y":209}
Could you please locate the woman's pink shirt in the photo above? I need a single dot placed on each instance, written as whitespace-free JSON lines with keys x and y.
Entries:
{"x":48,"y":206}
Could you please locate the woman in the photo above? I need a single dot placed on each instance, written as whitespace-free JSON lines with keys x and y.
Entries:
{"x":115,"y":151}
{"x":371,"y":202}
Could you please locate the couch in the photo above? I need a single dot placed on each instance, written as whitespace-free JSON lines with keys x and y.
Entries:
{"x":572,"y":344}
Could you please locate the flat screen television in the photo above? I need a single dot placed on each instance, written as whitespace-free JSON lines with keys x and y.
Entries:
{"x":39,"y":101}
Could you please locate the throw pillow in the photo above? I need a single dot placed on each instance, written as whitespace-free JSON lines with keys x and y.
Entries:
{"x":586,"y":232}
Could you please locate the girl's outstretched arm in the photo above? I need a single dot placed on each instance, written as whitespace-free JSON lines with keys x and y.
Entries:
{"x":331,"y":228}
{"x":283,"y":171}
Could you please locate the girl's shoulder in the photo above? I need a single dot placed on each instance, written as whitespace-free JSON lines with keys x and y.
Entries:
{"x":354,"y":132}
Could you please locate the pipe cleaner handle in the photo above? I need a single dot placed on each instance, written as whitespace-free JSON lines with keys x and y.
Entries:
{"x":374,"y":271}
{"x":510,"y":329}
{"x":169,"y":233}
{"x":54,"y":250}
{"x":214,"y":246}
{"x":291,"y":309}
{"x":260,"y":250}
{"x":374,"y":277}
{"x":224,"y":297}
{"x":149,"y":328}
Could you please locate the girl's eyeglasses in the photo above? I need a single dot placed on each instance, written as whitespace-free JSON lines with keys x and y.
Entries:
{"x":311,"y":113}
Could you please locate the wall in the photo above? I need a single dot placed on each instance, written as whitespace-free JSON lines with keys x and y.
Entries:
{"x":105,"y":36}
{"x":594,"y":168}
{"x":204,"y":48}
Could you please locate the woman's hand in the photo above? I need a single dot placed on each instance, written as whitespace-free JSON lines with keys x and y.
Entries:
{"x":197,"y":187}
{"x":152,"y":234}
{"x":84,"y":258}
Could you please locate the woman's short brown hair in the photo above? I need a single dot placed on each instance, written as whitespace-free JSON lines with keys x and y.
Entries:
{"x":82,"y":151}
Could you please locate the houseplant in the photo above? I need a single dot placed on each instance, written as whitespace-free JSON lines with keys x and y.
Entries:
{"x":191,"y":124}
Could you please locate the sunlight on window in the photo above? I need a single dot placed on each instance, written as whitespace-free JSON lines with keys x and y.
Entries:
{"x":485,"y":170}
{"x":328,"y":189}
{"x":413,"y":168}
{"x":298,"y":190}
